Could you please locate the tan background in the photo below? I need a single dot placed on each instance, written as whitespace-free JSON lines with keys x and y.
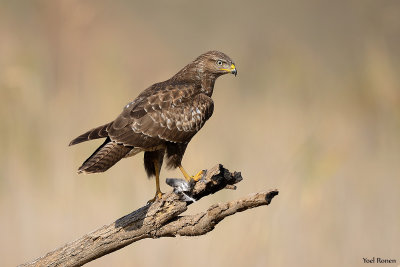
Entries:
{"x":314,"y":112}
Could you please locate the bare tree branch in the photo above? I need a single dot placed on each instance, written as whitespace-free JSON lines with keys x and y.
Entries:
{"x":159,"y":219}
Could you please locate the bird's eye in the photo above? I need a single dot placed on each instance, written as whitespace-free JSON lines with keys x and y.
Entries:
{"x":219,"y":62}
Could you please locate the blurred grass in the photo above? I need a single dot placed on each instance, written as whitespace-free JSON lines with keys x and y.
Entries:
{"x":313,"y":112}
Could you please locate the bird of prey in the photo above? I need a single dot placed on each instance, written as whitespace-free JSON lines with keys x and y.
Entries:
{"x":161,"y":121}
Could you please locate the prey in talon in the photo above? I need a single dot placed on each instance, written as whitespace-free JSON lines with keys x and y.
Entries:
{"x":161,"y":120}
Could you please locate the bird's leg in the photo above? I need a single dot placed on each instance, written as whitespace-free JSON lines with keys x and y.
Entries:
{"x":188,"y":178}
{"x":158,"y":190}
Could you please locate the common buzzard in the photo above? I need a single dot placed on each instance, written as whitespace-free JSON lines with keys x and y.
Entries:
{"x":161,"y":121}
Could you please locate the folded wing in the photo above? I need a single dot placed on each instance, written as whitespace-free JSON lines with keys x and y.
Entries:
{"x":173,"y":115}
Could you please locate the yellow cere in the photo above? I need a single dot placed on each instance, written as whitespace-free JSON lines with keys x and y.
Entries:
{"x":232,"y":68}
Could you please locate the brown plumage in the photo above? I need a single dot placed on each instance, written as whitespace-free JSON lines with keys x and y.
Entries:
{"x":161,"y":120}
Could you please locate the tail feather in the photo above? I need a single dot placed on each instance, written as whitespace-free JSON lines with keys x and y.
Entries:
{"x":104,"y":157}
{"x":98,"y":132}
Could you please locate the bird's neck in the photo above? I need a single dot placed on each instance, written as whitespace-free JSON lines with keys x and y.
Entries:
{"x":207,"y":85}
{"x":197,"y":75}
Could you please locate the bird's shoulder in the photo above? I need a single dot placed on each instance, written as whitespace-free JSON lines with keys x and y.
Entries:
{"x":158,"y":98}
{"x":162,"y":95}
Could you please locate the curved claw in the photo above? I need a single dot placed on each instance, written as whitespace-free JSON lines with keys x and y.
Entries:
{"x":198,"y":176}
{"x":188,"y":178}
{"x":158,"y":196}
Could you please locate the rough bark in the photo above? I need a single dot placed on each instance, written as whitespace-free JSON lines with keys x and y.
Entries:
{"x":159,"y":219}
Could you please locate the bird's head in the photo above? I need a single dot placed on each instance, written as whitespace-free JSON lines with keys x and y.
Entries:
{"x":216,"y":63}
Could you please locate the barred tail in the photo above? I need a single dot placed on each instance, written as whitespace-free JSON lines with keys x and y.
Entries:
{"x":98,"y":132}
{"x":104,"y":157}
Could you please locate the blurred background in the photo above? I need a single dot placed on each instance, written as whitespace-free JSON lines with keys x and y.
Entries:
{"x":313,"y":112}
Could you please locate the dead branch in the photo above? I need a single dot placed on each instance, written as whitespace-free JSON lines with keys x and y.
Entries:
{"x":159,"y":219}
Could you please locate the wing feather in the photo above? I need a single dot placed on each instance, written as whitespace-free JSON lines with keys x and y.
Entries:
{"x":173,"y":114}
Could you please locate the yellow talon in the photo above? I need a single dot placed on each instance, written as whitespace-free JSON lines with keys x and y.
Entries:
{"x":156,"y":197}
{"x":198,"y":176}
{"x":188,"y":177}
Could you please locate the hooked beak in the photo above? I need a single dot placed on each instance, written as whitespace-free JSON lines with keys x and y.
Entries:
{"x":232,"y":69}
